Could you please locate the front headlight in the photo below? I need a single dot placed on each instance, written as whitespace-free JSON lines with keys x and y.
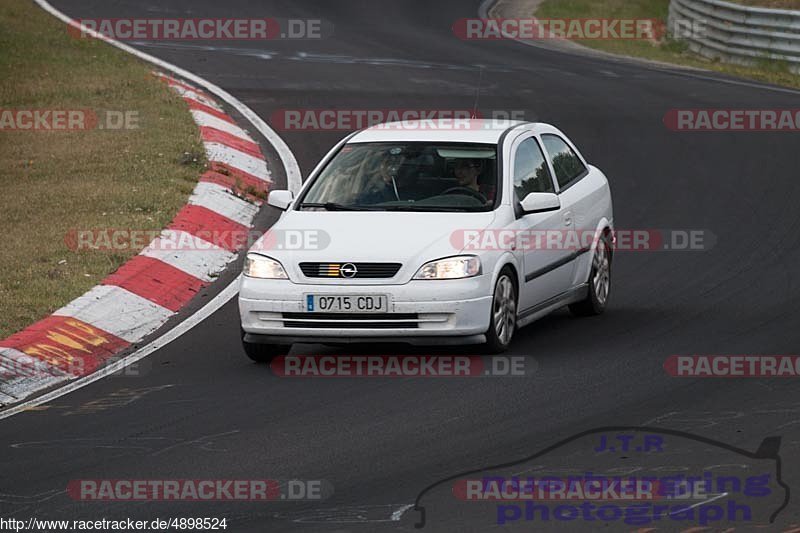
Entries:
{"x":259,"y":266}
{"x":463,"y":266}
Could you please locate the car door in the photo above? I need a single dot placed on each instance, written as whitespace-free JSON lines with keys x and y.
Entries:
{"x":546,"y":272}
{"x":578,"y":190}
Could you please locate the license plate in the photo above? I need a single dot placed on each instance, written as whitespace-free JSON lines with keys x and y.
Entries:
{"x":347,"y":303}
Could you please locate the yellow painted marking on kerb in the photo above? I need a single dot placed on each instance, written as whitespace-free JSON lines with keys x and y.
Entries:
{"x":82,"y":338}
{"x":94,"y":336}
{"x":52,"y":355}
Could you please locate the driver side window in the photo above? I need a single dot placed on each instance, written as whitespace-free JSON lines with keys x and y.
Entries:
{"x":530,"y":170}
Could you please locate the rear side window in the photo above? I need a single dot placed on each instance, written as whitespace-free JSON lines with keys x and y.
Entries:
{"x":530,"y":170}
{"x":566,"y":163}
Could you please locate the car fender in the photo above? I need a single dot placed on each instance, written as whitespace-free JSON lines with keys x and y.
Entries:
{"x":508,"y":258}
{"x":582,"y":276}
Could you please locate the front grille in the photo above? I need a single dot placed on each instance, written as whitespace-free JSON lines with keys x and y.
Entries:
{"x":363,"y":270}
{"x":351,"y":320}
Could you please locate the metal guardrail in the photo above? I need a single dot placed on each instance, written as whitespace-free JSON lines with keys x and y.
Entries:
{"x":735,"y":33}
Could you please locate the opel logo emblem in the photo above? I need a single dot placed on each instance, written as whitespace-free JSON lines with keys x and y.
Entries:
{"x":348,"y":270}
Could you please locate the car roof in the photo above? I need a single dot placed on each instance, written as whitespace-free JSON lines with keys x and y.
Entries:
{"x":462,"y":130}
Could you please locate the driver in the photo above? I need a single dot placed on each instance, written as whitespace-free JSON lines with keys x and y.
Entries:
{"x":467,"y":172}
{"x":383,"y":187}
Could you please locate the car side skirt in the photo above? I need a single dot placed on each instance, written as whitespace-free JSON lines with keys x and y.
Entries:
{"x":576,"y":294}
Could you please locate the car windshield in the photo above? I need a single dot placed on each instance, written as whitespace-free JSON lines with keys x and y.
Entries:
{"x":407,"y":177}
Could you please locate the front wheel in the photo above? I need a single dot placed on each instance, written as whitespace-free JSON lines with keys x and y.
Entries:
{"x":503,"y":318}
{"x":599,"y":282}
{"x":264,"y":353}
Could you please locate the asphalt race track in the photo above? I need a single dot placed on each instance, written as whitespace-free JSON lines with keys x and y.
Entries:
{"x":201,"y":409}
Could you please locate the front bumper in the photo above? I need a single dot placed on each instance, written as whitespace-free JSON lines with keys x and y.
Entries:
{"x":420,"y":312}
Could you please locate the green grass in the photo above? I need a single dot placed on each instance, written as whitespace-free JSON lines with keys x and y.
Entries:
{"x":667,"y":50}
{"x":55,"y":181}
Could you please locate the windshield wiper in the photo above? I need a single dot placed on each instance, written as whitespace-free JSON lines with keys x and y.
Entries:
{"x":332,"y":206}
{"x":449,"y":209}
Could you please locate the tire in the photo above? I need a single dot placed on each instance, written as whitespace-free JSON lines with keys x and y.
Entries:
{"x":264,"y":353}
{"x":503,"y":313}
{"x":599,"y":282}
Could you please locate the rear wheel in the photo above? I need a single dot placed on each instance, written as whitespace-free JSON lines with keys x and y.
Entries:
{"x":599,"y":282}
{"x":264,"y":353}
{"x":503,"y":318}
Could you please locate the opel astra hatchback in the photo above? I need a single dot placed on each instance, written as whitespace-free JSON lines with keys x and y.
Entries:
{"x":457,"y":236}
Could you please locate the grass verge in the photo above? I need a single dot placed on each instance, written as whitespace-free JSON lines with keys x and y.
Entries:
{"x":668,"y":50}
{"x":54,"y":181}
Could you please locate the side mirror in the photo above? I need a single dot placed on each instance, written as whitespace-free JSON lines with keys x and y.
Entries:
{"x":540,"y":202}
{"x":280,"y":199}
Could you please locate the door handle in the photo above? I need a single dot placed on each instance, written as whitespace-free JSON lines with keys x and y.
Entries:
{"x":568,"y":218}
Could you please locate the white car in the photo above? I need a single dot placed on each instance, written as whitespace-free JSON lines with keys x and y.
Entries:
{"x":431,"y":236}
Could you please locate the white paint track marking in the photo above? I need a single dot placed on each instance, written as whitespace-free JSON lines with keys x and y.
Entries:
{"x":210,"y":121}
{"x":698,"y":504}
{"x":293,"y":183}
{"x":202,"y":261}
{"x":217,"y":198}
{"x":117,"y":311}
{"x":399,"y":513}
{"x":197,"y":97}
{"x":236,"y":159}
{"x":207,"y":310}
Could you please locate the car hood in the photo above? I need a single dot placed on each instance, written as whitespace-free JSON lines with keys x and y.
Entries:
{"x":409,"y":238}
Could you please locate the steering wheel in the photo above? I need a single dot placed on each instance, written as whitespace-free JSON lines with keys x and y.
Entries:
{"x":466,"y":190}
